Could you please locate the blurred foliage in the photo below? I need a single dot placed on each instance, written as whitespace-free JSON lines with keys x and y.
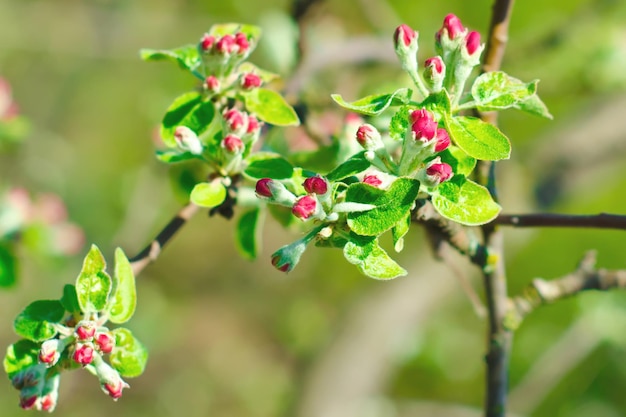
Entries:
{"x":230,"y":338}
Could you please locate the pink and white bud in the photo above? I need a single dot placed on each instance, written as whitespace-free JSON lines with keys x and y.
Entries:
{"x":434,"y":73}
{"x":241,"y":40}
{"x":406,"y":46}
{"x":83,"y":354}
{"x":85,"y":330}
{"x":114,"y":389}
{"x":207,"y":42}
{"x":424,"y":126}
{"x":212,"y":84}
{"x":226,"y":45}
{"x":262,"y":188}
{"x":275,"y":192}
{"x":250,"y":81}
{"x":373,"y":180}
{"x":104,"y":341}
{"x":236,"y":120}
{"x":443,"y":140}
{"x":287,"y":257}
{"x":405,"y":36}
{"x":48,"y":402}
{"x":315,"y":185}
{"x":111,"y":382}
{"x":472,"y":44}
{"x":305,"y":207}
{"x":369,"y":137}
{"x":28,"y":402}
{"x":187,"y":140}
{"x":50,"y":351}
{"x":453,"y":27}
{"x":232,"y":144}
{"x":254,"y":126}
{"x":438,"y":172}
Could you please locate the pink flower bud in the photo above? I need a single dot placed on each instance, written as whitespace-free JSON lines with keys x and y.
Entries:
{"x":434,"y":73}
{"x":49,"y":352}
{"x":315,"y":185}
{"x":278,"y":264}
{"x":105,"y":342}
{"x":85,"y":330}
{"x":262,"y":187}
{"x":212,"y":84}
{"x":114,"y":388}
{"x":253,"y":125}
{"x":424,"y":126}
{"x":232,"y":144}
{"x":405,"y":35}
{"x":187,"y":140}
{"x":372,"y":180}
{"x":241,"y":40}
{"x":368,"y":137}
{"x":305,"y":207}
{"x":472,"y":42}
{"x":28,"y":402}
{"x":438,"y":172}
{"x":443,"y":140}
{"x":207,"y":42}
{"x":250,"y":81}
{"x":48,"y":402}
{"x":226,"y":45}
{"x":83,"y":354}
{"x":453,"y":26}
{"x":235,"y":119}
{"x":436,"y":64}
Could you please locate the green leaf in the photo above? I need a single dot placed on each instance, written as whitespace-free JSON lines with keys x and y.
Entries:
{"x":129,"y":356}
{"x":533,"y":105}
{"x":352,"y":166}
{"x":497,"y":91}
{"x":8,"y":265}
{"x":187,"y":57}
{"x":232,"y":28}
{"x":376,"y":103}
{"x":172,"y":156}
{"x":122,"y":302}
{"x":392,"y":205}
{"x":270,"y":107}
{"x":439,"y":104}
{"x":399,"y":231}
{"x":478,"y":139}
{"x":187,"y":110}
{"x":208,"y":194}
{"x":400,"y":123}
{"x":34,"y":322}
{"x":370,"y":258}
{"x":461,"y":163}
{"x":464,"y":201}
{"x":266,"y":76}
{"x":93,"y":285}
{"x":69,"y":300}
{"x":246,"y":234}
{"x":21,"y":355}
{"x":268,"y":165}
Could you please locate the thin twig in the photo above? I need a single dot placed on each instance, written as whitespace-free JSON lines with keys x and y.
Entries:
{"x":596,"y":221}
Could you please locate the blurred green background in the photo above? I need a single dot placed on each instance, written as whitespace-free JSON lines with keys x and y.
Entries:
{"x":230,"y":338}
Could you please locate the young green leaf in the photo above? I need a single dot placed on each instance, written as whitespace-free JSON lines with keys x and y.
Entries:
{"x":478,"y":139}
{"x":270,"y":107}
{"x":400,"y":123}
{"x":533,"y":105}
{"x":352,"y":166}
{"x":187,"y":57}
{"x":172,"y":156}
{"x":20,"y":355}
{"x":376,"y":103}
{"x":208,"y":194}
{"x":123,"y":300}
{"x":268,"y":165}
{"x":93,"y":285}
{"x":129,"y":356}
{"x":438,"y":103}
{"x":464,"y":201}
{"x":497,"y":90}
{"x":231,"y":28}
{"x":399,"y":231}
{"x":461,"y":163}
{"x":265,"y":76}
{"x":34,"y":322}
{"x":246,"y":233}
{"x":370,"y":258}
{"x":8,"y":265}
{"x":69,"y":300}
{"x":392,"y":205}
{"x":187,"y":110}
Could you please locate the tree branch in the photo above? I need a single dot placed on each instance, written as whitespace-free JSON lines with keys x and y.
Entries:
{"x":597,"y":221}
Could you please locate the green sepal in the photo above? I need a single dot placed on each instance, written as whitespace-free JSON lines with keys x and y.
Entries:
{"x":392,"y":205}
{"x":400,"y":123}
{"x":266,"y":76}
{"x":121,"y":305}
{"x":370,"y":258}
{"x":187,"y":56}
{"x":247,"y":236}
{"x":461,"y":163}
{"x":69,"y":300}
{"x":8,"y":265}
{"x":465,"y":202}
{"x":268,"y":165}
{"x":172,"y":156}
{"x":21,"y":355}
{"x":478,"y":139}
{"x":208,"y":194}
{"x":399,"y":231}
{"x":93,"y":284}
{"x":187,"y":110}
{"x":35,"y":321}
{"x":352,"y":166}
{"x":129,"y":356}
{"x":270,"y":107}
{"x":376,"y":103}
{"x":438,"y":103}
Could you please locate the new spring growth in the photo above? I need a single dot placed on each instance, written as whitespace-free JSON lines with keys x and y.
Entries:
{"x":405,"y":42}
{"x":250,"y":81}
{"x":274,"y":192}
{"x":436,"y":172}
{"x":287,"y":257}
{"x":375,"y":151}
{"x":187,"y":140}
{"x":434,"y":73}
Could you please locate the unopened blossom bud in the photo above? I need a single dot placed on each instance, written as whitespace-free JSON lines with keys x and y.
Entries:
{"x":212,"y":84}
{"x":232,"y":144}
{"x":207,"y":42}
{"x":226,"y":45}
{"x":253,"y":125}
{"x":235,"y":120}
{"x":85,"y":330}
{"x":424,"y":126}
{"x":287,"y":257}
{"x":305,"y":207}
{"x":452,"y":26}
{"x":262,"y":187}
{"x":472,"y":44}
{"x":110,"y":380}
{"x":29,"y":401}
{"x":83,"y":354}
{"x":369,"y":137}
{"x":438,"y":172}
{"x":406,"y":46}
{"x":315,"y":185}
{"x":449,"y":38}
{"x":434,"y":73}
{"x":241,"y":40}
{"x":275,"y":192}
{"x":105,"y":342}
{"x":48,"y":402}
{"x":187,"y":140}
{"x":250,"y":81}
{"x":443,"y":140}
{"x":50,"y":351}
{"x":372,"y":180}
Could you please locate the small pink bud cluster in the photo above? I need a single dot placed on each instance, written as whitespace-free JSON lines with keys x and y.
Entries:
{"x":373,"y":180}
{"x":240,"y":130}
{"x":38,"y":391}
{"x":425,"y":129}
{"x":228,"y":44}
{"x":437,"y":172}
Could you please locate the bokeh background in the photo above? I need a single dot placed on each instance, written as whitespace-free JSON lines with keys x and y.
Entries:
{"x":231,"y":338}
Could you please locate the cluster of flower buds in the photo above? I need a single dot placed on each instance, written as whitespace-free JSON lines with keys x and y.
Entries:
{"x":241,"y":130}
{"x":313,"y":205}
{"x":39,"y":390}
